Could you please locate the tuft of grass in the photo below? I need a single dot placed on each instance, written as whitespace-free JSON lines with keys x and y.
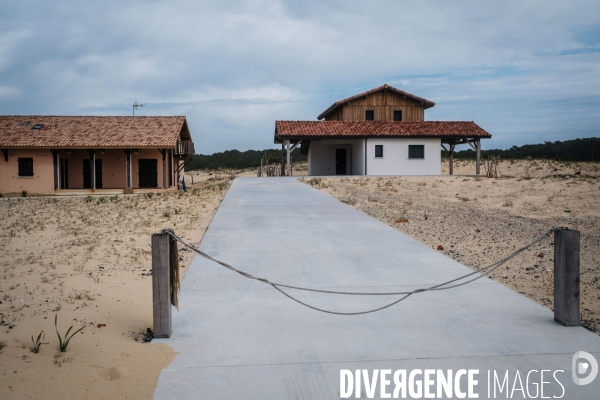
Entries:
{"x":88,"y":199}
{"x":166,"y":214}
{"x":24,"y":193}
{"x":315,"y":181}
{"x":149,"y":195}
{"x":64,"y":343}
{"x":507,"y":203}
{"x":38,"y":342}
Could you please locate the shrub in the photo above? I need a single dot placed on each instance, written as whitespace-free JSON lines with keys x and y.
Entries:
{"x":63,"y":344}
{"x":38,"y":342}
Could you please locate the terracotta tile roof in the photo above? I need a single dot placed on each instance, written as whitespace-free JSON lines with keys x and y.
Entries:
{"x":426,"y":103}
{"x":103,"y":132}
{"x":369,"y":129}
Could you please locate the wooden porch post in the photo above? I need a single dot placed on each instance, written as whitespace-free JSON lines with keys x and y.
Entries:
{"x":164,"y":168}
{"x":93,"y":161}
{"x":56,"y":162}
{"x":282,"y":159}
{"x":92,"y":154}
{"x":478,"y":157}
{"x":451,"y":159}
{"x":127,"y":168}
{"x":170,"y":164}
{"x":288,"y":168}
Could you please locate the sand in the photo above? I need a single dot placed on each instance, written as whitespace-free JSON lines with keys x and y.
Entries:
{"x":478,"y":221}
{"x":87,"y":260}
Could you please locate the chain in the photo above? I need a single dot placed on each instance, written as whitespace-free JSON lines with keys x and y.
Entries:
{"x":486,"y":271}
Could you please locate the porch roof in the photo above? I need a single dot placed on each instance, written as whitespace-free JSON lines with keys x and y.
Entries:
{"x":35,"y":131}
{"x":296,"y":130}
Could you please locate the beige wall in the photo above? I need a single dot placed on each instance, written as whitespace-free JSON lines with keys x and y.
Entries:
{"x":42,"y":180}
{"x":113,"y":170}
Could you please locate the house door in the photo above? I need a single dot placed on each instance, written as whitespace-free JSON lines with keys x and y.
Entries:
{"x":87,"y":174}
{"x":148,"y":173}
{"x":64,"y":173}
{"x":340,"y":161}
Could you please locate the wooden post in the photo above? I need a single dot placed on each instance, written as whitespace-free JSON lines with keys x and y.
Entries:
{"x":164,"y":167}
{"x":93,"y":162}
{"x":282,"y":158}
{"x":261,"y":168}
{"x":127,"y":168}
{"x":56,"y":162}
{"x":288,"y":167}
{"x":161,"y":287}
{"x":170,"y":165}
{"x":566,"y":277}
{"x":92,"y":154}
{"x":478,"y":157}
{"x":451,"y":159}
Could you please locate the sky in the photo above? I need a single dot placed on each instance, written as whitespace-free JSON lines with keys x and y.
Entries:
{"x":525,"y":71}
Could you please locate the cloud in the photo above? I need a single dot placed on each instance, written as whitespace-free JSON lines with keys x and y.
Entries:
{"x":234,"y":67}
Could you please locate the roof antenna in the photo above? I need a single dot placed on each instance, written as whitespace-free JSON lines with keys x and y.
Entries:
{"x":136,"y":105}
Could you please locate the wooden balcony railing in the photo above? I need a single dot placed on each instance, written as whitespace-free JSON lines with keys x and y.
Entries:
{"x":184,"y":149}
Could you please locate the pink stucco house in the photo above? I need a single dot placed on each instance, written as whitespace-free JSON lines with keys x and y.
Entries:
{"x":65,"y":155}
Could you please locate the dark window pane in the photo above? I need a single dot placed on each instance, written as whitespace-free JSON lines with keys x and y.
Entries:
{"x":397,"y":115}
{"x":416,"y":151}
{"x":369,"y":115}
{"x":378,"y":150}
{"x":25,"y":166}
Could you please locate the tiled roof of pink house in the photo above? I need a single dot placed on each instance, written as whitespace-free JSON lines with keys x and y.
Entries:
{"x":86,"y":131}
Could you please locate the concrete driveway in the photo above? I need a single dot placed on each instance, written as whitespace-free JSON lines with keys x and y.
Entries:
{"x":239,"y":338}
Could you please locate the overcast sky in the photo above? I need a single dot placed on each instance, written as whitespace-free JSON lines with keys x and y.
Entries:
{"x":525,"y":71}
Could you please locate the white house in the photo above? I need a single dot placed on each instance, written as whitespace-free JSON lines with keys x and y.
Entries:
{"x":379,"y":132}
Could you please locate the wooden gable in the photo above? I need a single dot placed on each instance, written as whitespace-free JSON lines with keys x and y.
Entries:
{"x":383,"y":104}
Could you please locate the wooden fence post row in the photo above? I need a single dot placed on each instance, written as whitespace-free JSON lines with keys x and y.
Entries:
{"x":161,"y":287}
{"x":566,"y":277}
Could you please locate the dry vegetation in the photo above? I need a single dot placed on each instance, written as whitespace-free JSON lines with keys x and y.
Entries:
{"x":87,"y":259}
{"x":479,"y":220}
